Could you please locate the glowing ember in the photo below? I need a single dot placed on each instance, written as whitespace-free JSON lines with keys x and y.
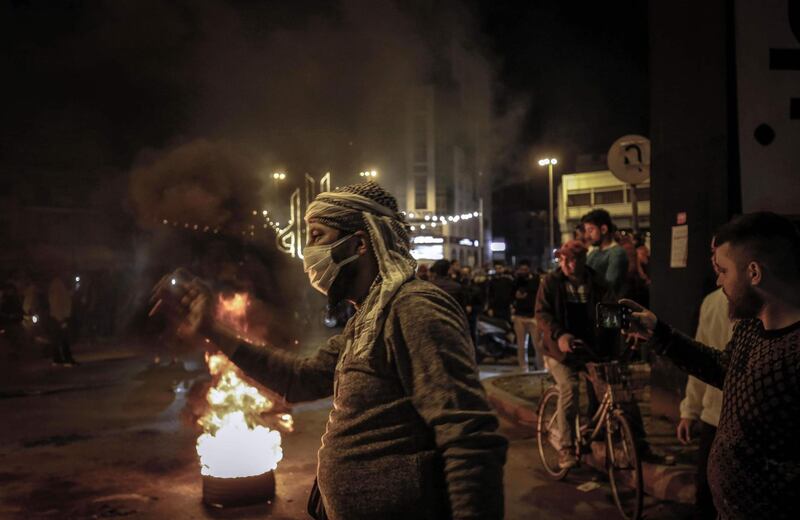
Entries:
{"x":236,"y":443}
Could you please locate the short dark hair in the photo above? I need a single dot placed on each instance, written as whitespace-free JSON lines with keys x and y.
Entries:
{"x":599,"y":217}
{"x":524,"y":261}
{"x":767,"y":238}
{"x":440,"y":268}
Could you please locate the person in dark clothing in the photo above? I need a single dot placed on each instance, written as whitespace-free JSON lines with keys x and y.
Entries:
{"x":11,"y":316}
{"x":565,"y":312}
{"x":439,"y":274}
{"x":525,"y":287}
{"x":411,"y":433}
{"x":475,"y":298}
{"x":455,"y":270}
{"x":501,"y":293}
{"x":754,"y":464}
{"x":60,"y":304}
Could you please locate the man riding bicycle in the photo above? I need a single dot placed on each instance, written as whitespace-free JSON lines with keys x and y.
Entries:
{"x":565,"y":311}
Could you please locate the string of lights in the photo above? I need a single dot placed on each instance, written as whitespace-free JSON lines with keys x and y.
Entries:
{"x":432,"y":221}
{"x":268,"y":223}
{"x":416,"y":221}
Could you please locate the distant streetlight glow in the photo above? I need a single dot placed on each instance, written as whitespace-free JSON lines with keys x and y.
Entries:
{"x":550,"y":162}
{"x":279,"y":176}
{"x":368,"y":173}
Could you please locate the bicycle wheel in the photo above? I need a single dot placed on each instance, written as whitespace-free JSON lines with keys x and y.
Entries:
{"x":624,"y":466}
{"x":547,"y":434}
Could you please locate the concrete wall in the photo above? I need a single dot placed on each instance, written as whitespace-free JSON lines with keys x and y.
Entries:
{"x":695,"y":158}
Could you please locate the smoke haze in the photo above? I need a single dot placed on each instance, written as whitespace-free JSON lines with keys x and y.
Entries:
{"x":200,"y":183}
{"x":306,"y":86}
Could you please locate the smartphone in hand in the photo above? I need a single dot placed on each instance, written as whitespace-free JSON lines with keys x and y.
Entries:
{"x":613,"y":316}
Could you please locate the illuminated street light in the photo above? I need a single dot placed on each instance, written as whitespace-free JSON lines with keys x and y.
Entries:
{"x":279,"y":176}
{"x":368,"y":173}
{"x":550,"y":162}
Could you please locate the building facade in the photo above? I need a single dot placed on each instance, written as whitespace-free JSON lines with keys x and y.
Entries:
{"x":579,"y":193}
{"x":447,"y":189}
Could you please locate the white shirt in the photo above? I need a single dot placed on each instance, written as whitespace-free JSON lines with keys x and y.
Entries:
{"x":715,"y":329}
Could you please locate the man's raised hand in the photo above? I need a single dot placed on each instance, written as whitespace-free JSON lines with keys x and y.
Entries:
{"x":184,"y":300}
{"x":642,"y":321}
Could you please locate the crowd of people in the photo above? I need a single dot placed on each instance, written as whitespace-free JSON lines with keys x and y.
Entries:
{"x":508,"y":293}
{"x":46,"y":311}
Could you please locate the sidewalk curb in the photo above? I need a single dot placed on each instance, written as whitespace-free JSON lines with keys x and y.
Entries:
{"x":510,"y":406}
{"x":674,"y":483}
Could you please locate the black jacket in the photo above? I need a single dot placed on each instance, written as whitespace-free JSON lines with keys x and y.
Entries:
{"x":552,"y":316}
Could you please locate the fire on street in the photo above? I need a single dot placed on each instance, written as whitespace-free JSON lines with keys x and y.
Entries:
{"x":109,"y":439}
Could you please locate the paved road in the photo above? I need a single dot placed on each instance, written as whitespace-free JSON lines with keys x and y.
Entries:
{"x":108,"y":439}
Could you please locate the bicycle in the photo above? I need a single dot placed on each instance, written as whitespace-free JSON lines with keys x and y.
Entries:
{"x":609,"y":421}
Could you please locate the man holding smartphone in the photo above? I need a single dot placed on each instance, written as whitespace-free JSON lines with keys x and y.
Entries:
{"x":754,"y":464}
{"x":565,"y":311}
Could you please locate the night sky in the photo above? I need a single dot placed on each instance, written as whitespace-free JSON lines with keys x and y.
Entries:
{"x":92,"y":89}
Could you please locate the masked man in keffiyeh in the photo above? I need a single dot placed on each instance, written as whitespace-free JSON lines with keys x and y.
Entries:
{"x":410,"y":434}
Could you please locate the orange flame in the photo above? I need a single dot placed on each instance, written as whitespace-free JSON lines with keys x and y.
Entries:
{"x":235,"y":442}
{"x":233,"y":311}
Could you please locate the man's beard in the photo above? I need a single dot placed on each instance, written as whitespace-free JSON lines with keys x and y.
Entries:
{"x":744,"y":304}
{"x":342,"y":284}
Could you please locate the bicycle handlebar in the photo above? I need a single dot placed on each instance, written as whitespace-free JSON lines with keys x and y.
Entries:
{"x":581,"y":347}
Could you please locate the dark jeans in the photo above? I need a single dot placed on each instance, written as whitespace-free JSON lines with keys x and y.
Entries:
{"x":703,"y":504}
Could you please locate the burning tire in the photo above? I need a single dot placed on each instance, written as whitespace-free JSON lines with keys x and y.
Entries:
{"x":238,"y":491}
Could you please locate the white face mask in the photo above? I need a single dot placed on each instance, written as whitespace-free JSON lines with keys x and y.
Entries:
{"x":318,"y":263}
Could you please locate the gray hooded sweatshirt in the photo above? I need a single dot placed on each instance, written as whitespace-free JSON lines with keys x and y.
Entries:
{"x":411,"y":434}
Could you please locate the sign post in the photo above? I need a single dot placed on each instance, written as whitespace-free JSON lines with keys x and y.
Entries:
{"x":629,"y":161}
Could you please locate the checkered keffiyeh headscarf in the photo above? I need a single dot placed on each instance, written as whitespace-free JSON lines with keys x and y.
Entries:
{"x":367,"y":206}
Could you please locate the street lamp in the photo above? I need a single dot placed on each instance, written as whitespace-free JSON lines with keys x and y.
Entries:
{"x":279,"y":176}
{"x":368,"y":173}
{"x":550,"y":162}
